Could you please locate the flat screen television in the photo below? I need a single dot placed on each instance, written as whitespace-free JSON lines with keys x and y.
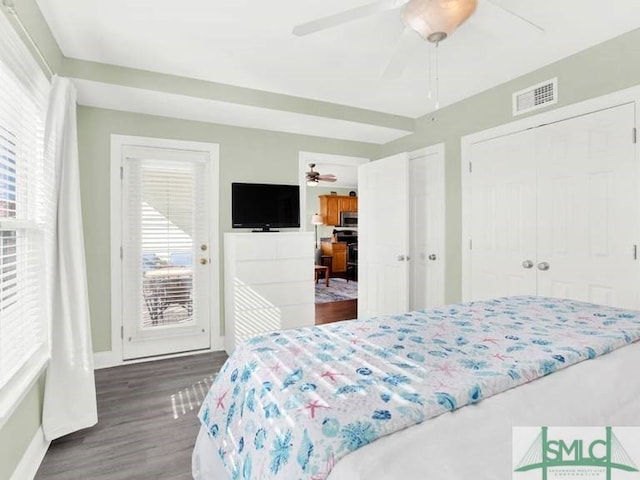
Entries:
{"x":265,"y":206}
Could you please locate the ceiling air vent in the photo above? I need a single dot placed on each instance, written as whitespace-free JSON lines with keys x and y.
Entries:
{"x":537,"y":96}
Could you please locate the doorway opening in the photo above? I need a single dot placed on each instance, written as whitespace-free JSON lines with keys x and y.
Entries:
{"x":323,"y":207}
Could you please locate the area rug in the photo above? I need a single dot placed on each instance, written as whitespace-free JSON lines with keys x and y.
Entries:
{"x":338,"y":289}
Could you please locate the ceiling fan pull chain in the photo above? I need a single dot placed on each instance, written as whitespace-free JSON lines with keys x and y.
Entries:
{"x":430,"y":53}
{"x":437,"y":79}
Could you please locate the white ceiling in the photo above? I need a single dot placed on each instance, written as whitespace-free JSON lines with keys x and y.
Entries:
{"x":249,"y":43}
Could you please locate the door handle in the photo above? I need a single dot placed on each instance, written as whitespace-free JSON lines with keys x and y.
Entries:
{"x":543,"y":266}
{"x":203,"y":261}
{"x":432,"y":256}
{"x":527,"y":264}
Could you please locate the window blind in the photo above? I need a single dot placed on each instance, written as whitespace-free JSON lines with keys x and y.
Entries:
{"x":26,"y":216}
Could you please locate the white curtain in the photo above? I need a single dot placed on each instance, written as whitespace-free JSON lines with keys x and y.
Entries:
{"x":70,"y":396}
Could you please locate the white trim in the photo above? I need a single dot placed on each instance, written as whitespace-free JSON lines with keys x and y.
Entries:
{"x":105,"y":360}
{"x":32,"y":457}
{"x":628,"y":95}
{"x":621,"y":97}
{"x":21,"y":384}
{"x":110,"y":359}
{"x":118,"y":142}
{"x":437,"y":149}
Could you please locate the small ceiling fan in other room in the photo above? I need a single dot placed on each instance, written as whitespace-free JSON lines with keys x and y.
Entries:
{"x":313,"y":177}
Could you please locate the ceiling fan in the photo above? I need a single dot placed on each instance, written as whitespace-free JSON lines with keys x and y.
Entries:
{"x":314,"y":177}
{"x":433,"y":20}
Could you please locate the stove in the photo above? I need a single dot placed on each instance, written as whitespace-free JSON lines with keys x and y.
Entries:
{"x":347,"y":236}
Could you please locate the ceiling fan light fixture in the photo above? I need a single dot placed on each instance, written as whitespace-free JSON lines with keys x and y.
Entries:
{"x":435,"y":20}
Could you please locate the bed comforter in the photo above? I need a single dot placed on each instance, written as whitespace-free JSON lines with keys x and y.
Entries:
{"x":289,"y":404}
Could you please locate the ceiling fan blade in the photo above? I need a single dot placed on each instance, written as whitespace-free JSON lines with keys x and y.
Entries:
{"x":402,"y":54}
{"x":514,"y":14}
{"x":327,"y":178}
{"x":346,"y":16}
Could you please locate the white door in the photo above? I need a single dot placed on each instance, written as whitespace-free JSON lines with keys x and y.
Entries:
{"x":426,"y":227}
{"x":166,"y":251}
{"x":383,"y":236}
{"x":554,"y":211}
{"x":588,"y":215}
{"x":503,"y":217}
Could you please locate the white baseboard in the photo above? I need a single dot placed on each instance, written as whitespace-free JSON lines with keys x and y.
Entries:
{"x":110,"y":359}
{"x":32,"y":458}
{"x":105,"y":360}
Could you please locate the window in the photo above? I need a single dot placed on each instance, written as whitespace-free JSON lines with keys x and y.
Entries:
{"x":26,"y":213}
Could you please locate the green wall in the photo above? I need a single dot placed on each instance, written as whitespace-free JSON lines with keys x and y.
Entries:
{"x":254,"y":155}
{"x":20,"y":428}
{"x":605,"y":68}
{"x":247,"y":155}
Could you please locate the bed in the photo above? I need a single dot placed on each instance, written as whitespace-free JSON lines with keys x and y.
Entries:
{"x":426,"y":394}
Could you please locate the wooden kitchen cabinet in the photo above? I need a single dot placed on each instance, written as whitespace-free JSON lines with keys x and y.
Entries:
{"x":332,"y":205}
{"x":338,"y":253}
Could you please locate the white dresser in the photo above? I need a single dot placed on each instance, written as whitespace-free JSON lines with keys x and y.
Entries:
{"x":268,"y":283}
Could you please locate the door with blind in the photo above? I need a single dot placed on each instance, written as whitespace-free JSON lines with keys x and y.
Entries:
{"x":166,"y":251}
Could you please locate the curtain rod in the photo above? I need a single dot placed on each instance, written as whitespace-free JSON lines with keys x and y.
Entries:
{"x":9,"y":7}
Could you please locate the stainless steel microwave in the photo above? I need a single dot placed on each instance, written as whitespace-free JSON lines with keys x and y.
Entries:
{"x":348,"y":219}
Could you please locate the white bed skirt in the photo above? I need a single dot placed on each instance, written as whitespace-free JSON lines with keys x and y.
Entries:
{"x":476,"y":441}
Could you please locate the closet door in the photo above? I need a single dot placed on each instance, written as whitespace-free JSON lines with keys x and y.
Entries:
{"x":503,"y":217}
{"x":588,"y":215}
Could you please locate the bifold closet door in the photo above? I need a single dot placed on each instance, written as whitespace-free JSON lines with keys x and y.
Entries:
{"x":503,"y":217}
{"x":555,"y":211}
{"x":588,"y":211}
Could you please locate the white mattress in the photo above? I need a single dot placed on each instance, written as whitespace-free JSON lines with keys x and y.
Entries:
{"x":475,"y":441}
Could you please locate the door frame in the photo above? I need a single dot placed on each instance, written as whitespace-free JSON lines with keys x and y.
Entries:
{"x":626,"y":96}
{"x":115,"y":355}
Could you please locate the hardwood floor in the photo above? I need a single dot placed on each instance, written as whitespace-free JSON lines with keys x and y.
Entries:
{"x":147,"y":423}
{"x":336,"y":311}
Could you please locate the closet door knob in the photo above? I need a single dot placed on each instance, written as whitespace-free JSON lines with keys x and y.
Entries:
{"x":543,"y":266}
{"x":432,"y":256}
{"x":527,"y":264}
